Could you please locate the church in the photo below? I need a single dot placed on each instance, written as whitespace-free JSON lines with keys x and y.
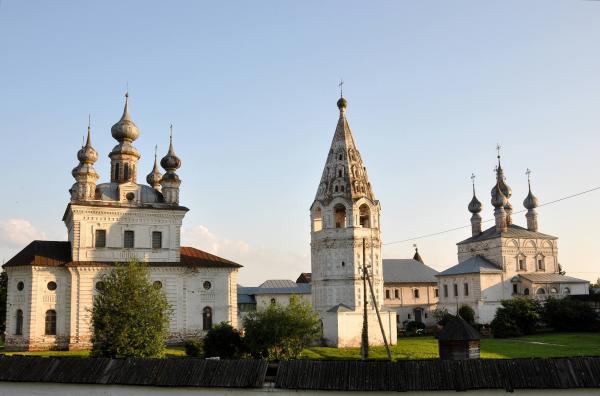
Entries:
{"x":51,"y":284}
{"x":505,"y":260}
{"x":345,"y":236}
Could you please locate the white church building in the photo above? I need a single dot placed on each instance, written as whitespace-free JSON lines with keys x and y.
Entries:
{"x":345,"y":230}
{"x":505,"y":260}
{"x":51,"y":284}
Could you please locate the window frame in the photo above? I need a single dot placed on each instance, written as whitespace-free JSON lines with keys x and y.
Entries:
{"x":100,"y":232}
{"x":19,"y":322}
{"x":50,"y":322}
{"x":125,"y":233}
{"x":160,"y":240}
{"x":466,"y":289}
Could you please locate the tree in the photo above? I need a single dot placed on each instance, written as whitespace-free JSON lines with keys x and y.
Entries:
{"x":568,"y":314}
{"x":223,"y":341}
{"x":278,"y":333}
{"x":467,"y":313}
{"x":519,"y":313}
{"x":130,"y":316}
{"x":3,"y":292}
{"x":442,"y":316}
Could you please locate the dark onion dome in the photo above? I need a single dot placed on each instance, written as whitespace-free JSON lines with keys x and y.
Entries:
{"x":342,"y":103}
{"x":171,"y":161}
{"x":87,"y":154}
{"x":170,"y":176}
{"x":83,"y":169}
{"x":475,"y":206}
{"x":125,"y":148}
{"x":506,"y":190}
{"x":499,"y":200}
{"x":125,"y":129}
{"x":508,"y":206}
{"x":155,"y":176}
{"x":531,"y":201}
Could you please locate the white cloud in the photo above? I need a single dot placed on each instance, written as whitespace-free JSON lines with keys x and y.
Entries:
{"x":18,"y":233}
{"x":259,"y":263}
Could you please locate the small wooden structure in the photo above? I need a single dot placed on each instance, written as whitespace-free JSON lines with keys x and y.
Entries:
{"x":458,"y":340}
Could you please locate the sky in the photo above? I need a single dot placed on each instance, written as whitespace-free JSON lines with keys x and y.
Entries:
{"x":251,"y":91}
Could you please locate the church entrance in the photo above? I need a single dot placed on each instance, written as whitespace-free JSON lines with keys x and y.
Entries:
{"x":419,"y":315}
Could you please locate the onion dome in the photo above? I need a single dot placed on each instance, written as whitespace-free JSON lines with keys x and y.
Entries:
{"x":474,"y":206}
{"x":531,"y":201}
{"x":155,"y":176}
{"x":125,"y":129}
{"x":171,"y":161}
{"x":499,"y":200}
{"x":508,"y":206}
{"x":87,"y":154}
{"x":342,"y":103}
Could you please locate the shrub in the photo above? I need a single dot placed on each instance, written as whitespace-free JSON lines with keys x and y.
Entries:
{"x":568,"y":314}
{"x":223,"y":341}
{"x":412,"y":326}
{"x":516,"y":317}
{"x":467,"y":313}
{"x":194,"y":347}
{"x":130,"y":316}
{"x":442,"y":316}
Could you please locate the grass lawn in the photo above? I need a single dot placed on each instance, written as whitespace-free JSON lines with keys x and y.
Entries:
{"x":542,"y":345}
{"x":169,"y":352}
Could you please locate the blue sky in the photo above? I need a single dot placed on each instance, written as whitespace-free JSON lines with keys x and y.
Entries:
{"x":250,"y":88}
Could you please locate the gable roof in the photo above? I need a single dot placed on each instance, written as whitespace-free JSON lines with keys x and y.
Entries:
{"x":305,"y":277}
{"x":551,"y":278}
{"x":275,"y":286}
{"x":474,"y":265}
{"x":340,"y":308}
{"x":58,"y":253}
{"x":407,"y":271}
{"x":457,"y":329}
{"x":513,"y":231}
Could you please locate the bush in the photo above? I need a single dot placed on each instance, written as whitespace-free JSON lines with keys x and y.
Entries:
{"x":223,"y":341}
{"x":568,"y":314}
{"x":278,"y":333}
{"x":467,"y":313}
{"x":442,"y":316}
{"x":412,"y":326}
{"x":194,"y":347}
{"x":517,"y":316}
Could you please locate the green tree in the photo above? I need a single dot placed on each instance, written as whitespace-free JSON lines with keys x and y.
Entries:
{"x":568,"y":314}
{"x":130,"y":316}
{"x":278,"y":333}
{"x":3,"y":291}
{"x":467,"y":313}
{"x":519,"y":313}
{"x":223,"y":341}
{"x":442,"y":316}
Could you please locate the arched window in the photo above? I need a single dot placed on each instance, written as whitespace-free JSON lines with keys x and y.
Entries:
{"x":540,"y":263}
{"x":416,"y":293}
{"x":126,"y":172}
{"x":341,"y":156}
{"x":566,"y":290}
{"x":207,"y":318}
{"x":336,"y":188}
{"x":340,"y":216}
{"x":387,"y":293}
{"x":50,"y":322}
{"x":117,"y":175}
{"x":340,"y":173}
{"x":526,"y":291}
{"x":342,"y":188}
{"x":540,"y":291}
{"x":19,"y":322}
{"x":317,"y":219}
{"x":365,"y":216}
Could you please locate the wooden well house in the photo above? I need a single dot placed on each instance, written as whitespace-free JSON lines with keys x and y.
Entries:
{"x":458,"y":340}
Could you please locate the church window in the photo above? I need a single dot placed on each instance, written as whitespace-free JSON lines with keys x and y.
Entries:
{"x":128,"y":239}
{"x":340,"y":216}
{"x":50,"y":323}
{"x":51,"y":286}
{"x":207,"y":318}
{"x":540,"y":262}
{"x":522,"y":266}
{"x":157,"y":284}
{"x":455,"y":290}
{"x":19,"y":322}
{"x":408,"y":316}
{"x":156,"y":240}
{"x":117,"y":175}
{"x":336,"y":188}
{"x":526,"y":291}
{"x":365,"y":216}
{"x":207,"y":285}
{"x":566,"y":290}
{"x":20,"y":286}
{"x":540,"y":291}
{"x":446,"y":291}
{"x":466,"y":287}
{"x":416,"y":293}
{"x":436,"y":292}
{"x":341,"y":157}
{"x":126,"y":172}
{"x":100,"y":240}
{"x":387,"y":294}
{"x":318,"y":220}
{"x":515,"y":288}
{"x":343,"y":264}
{"x":340,"y":173}
{"x":396,"y":293}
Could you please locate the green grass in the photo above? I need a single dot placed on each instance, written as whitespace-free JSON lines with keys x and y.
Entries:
{"x":169,"y":352}
{"x":543,"y":345}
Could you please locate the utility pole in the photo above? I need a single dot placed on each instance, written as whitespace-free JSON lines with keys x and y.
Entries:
{"x":364,"y":342}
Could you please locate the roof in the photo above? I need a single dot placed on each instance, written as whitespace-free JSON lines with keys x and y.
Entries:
{"x":457,"y":329}
{"x":304,"y":277}
{"x":58,"y":253}
{"x":513,"y":231}
{"x":275,"y":286}
{"x":340,"y":308}
{"x":439,"y":375}
{"x":551,"y":278}
{"x":188,"y":372}
{"x":277,"y":283}
{"x":474,"y":265}
{"x":407,"y":271}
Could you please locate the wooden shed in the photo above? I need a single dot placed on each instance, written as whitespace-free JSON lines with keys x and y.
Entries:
{"x":458,"y":340}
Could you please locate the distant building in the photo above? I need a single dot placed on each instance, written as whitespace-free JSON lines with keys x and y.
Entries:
{"x":51,"y":285}
{"x":505,"y":260}
{"x":410,"y":289}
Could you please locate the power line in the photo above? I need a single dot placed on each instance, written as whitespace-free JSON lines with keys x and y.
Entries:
{"x":488,"y":220}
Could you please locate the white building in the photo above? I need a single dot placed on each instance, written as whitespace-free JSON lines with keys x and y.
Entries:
{"x":344,"y":232}
{"x":52,"y":284}
{"x":504,"y":261}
